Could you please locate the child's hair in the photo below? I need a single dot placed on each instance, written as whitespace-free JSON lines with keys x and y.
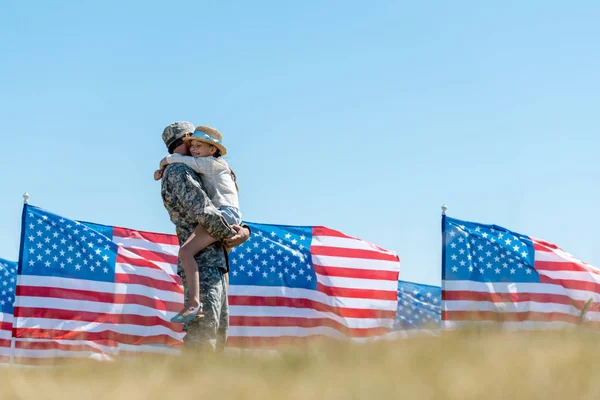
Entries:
{"x":217,"y":155}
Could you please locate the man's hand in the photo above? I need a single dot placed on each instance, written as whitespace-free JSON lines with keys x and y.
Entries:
{"x":240,"y":237}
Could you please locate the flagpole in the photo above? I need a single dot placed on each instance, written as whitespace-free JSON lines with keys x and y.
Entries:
{"x":443,"y":260}
{"x":13,"y":340}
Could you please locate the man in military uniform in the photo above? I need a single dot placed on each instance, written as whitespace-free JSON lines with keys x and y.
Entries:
{"x":186,"y":201}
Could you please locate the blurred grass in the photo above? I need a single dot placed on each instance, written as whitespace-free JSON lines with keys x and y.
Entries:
{"x":466,"y":365}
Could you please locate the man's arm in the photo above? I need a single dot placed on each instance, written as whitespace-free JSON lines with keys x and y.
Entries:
{"x":187,"y":191}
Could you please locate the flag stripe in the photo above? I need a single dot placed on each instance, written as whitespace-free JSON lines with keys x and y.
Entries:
{"x":152,"y":255}
{"x":148,"y":237}
{"x":167,"y":310}
{"x":357,"y":283}
{"x":352,"y":253}
{"x":72,"y":334}
{"x":304,"y":313}
{"x":311,"y":304}
{"x":133,"y":243}
{"x":356,"y":273}
{"x":304,"y":294}
{"x":104,"y":318}
{"x":28,"y":285}
{"x":355,"y":263}
{"x":104,"y":346}
{"x":345,"y":243}
{"x":550,"y":287}
{"x":472,"y":296}
{"x":97,"y":326}
{"x":358,"y":293}
{"x":275,"y":323}
{"x":160,"y":285}
{"x":568,"y":285}
{"x":509,"y":307}
{"x":150,"y":273}
{"x":318,"y":231}
{"x":142,"y":264}
{"x":565,"y":266}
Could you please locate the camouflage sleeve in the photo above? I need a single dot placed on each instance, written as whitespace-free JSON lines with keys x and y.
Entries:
{"x":184,"y":186}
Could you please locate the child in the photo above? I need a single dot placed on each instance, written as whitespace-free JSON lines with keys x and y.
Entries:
{"x":220,"y":183}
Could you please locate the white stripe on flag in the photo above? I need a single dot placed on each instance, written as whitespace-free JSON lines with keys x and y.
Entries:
{"x":357,"y":283}
{"x":146,"y":245}
{"x":355,"y":263}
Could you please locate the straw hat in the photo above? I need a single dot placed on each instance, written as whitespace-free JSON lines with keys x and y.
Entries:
{"x":208,"y":135}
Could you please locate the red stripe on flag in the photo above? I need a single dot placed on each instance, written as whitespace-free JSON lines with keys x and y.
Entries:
{"x":4,"y":342}
{"x":149,"y":236}
{"x":137,"y":262}
{"x":572,"y":284}
{"x":356,"y":273}
{"x":69,"y":315}
{"x":358,"y":293}
{"x":86,"y":295}
{"x":565,"y":266}
{"x":6,"y":326}
{"x":542,"y":245}
{"x":56,"y":334}
{"x":322,"y":231}
{"x":310,"y":304}
{"x":351,"y":253}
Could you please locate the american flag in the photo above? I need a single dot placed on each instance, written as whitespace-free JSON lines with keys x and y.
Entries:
{"x":292,"y":283}
{"x":491,"y":274}
{"x":419,"y":306}
{"x":8,"y":283}
{"x":89,"y":289}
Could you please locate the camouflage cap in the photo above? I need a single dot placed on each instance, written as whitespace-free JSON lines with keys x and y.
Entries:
{"x":176,"y":130}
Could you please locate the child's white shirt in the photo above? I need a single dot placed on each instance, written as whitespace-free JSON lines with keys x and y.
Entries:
{"x":216,"y":176}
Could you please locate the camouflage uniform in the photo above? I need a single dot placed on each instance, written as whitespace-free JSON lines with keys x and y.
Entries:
{"x":187,"y":203}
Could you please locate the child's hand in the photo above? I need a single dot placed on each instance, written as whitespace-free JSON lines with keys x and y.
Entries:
{"x":158,"y":174}
{"x":163,"y":163}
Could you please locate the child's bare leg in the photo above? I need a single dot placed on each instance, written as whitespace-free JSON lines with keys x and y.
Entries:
{"x":198,"y":240}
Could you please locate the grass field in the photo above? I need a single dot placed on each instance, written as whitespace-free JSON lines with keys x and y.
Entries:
{"x":466,"y":365}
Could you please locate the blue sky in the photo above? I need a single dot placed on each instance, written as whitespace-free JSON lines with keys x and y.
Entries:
{"x":361,"y":116}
